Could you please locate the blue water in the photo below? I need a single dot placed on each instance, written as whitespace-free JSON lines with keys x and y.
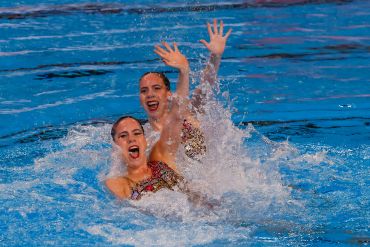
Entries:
{"x":294,"y":80}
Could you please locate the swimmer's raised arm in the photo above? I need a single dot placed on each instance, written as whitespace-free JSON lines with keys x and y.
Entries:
{"x":165,"y":149}
{"x":216,"y":46}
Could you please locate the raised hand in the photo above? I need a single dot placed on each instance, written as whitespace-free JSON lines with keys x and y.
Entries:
{"x":217,"y":42}
{"x":172,"y":57}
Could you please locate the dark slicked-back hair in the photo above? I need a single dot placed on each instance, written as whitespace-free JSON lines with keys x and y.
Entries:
{"x":161,"y":75}
{"x":114,"y":127}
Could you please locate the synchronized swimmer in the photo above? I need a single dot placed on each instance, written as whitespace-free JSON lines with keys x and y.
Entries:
{"x":174,"y":123}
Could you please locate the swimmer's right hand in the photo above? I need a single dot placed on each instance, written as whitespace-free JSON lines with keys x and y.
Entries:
{"x":217,"y":42}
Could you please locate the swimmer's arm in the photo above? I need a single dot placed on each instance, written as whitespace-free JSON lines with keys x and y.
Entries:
{"x":166,"y":147}
{"x":216,"y":46}
{"x":157,"y":154}
{"x":119,"y":187}
{"x":174,"y":58}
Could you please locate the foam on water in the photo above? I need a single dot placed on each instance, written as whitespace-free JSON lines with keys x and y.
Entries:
{"x":245,"y":189}
{"x":256,"y":185}
{"x":306,"y":79}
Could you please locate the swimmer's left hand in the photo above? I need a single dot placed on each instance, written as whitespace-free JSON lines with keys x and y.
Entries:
{"x":217,"y":42}
{"x":172,"y":57}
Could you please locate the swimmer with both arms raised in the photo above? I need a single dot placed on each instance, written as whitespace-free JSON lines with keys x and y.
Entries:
{"x":155,"y":93}
{"x":150,"y":174}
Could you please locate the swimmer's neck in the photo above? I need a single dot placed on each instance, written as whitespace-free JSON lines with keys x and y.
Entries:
{"x":139,"y":173}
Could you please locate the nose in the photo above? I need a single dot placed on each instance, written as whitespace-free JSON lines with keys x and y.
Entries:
{"x":131,"y":139}
{"x":150,"y":94}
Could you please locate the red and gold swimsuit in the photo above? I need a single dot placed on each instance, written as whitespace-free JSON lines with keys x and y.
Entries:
{"x":162,"y":177}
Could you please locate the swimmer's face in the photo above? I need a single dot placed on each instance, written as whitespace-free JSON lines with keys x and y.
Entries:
{"x":154,"y":95}
{"x":130,"y":138}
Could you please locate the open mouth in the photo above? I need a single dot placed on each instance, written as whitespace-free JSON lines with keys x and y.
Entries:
{"x":152,"y":105}
{"x":134,"y":152}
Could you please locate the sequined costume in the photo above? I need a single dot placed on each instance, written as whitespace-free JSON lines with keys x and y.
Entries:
{"x":193,"y":140}
{"x":162,"y":177}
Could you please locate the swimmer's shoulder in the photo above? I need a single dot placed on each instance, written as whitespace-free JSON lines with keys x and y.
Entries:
{"x":119,"y":186}
{"x":159,"y":154}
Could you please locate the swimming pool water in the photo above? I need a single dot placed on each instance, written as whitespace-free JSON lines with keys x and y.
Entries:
{"x":294,"y":80}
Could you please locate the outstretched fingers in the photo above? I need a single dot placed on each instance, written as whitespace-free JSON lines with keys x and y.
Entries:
{"x":163,"y":58}
{"x":205,"y":43}
{"x":160,"y":52}
{"x":160,"y":49}
{"x":221,"y":28}
{"x":217,"y":42}
{"x":228,"y":33}
{"x":166,"y":62}
{"x":168,"y":47}
{"x":215,"y":30}
{"x":175,"y":47}
{"x":209,"y":29}
{"x":171,"y":56}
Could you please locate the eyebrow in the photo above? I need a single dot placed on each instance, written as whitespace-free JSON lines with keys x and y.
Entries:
{"x":125,"y":131}
{"x":157,"y":84}
{"x":122,"y":132}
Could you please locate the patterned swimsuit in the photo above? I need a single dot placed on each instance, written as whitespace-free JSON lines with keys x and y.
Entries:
{"x":162,"y":177}
{"x":191,"y":137}
{"x":193,"y":140}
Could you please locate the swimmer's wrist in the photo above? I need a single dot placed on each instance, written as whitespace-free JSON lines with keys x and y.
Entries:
{"x":184,"y":70}
{"x":216,"y":56}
